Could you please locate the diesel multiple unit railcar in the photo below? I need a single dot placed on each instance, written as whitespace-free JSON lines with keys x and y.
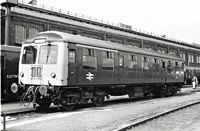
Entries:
{"x":67,"y":70}
{"x":9,"y":72}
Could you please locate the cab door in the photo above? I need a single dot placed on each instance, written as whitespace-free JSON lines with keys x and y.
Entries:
{"x":72,"y":65}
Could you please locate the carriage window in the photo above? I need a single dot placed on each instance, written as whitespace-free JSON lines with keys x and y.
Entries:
{"x":155,"y":65}
{"x":163,"y":65}
{"x":2,"y":62}
{"x":183,"y":64}
{"x":121,"y":61}
{"x":89,"y":58}
{"x":145,"y":63}
{"x":155,"y":60}
{"x":48,"y":54}
{"x":29,"y":55}
{"x":176,"y":63}
{"x":107,"y":60}
{"x":169,"y":67}
{"x":132,"y":64}
{"x":72,"y":56}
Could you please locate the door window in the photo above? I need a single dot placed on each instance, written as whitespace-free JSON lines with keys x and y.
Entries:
{"x":72,"y":56}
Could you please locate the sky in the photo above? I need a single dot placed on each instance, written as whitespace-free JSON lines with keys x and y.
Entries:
{"x":178,"y":19}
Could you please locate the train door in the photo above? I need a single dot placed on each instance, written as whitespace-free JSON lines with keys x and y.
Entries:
{"x":163,"y":75}
{"x":108,"y":67}
{"x":86,"y":65}
{"x":121,"y":73}
{"x":72,"y":71}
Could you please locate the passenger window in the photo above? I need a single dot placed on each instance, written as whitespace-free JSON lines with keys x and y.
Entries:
{"x":155,"y":65}
{"x":163,"y":65}
{"x":169,"y":67}
{"x":183,"y":64}
{"x":132,"y":62}
{"x":121,"y":61}
{"x":145,"y":63}
{"x":89,"y":58}
{"x":155,"y":60}
{"x":72,"y":56}
{"x":107,"y":60}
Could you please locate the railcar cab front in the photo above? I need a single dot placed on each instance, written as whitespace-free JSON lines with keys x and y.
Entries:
{"x":42,"y":66}
{"x":42,"y":63}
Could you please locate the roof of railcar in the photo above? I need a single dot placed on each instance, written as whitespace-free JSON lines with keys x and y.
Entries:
{"x":55,"y":36}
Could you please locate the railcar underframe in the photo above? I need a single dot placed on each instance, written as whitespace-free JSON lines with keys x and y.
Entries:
{"x":68,"y":97}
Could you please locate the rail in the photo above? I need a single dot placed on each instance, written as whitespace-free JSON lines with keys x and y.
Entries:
{"x":88,"y":18}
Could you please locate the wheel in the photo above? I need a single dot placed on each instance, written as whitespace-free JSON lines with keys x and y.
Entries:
{"x":44,"y":104}
{"x":67,"y":101}
{"x":98,"y":100}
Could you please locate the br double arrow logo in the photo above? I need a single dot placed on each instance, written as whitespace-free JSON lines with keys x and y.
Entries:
{"x":89,"y":76}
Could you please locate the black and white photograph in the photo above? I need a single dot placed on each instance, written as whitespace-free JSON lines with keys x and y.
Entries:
{"x":100,"y":65}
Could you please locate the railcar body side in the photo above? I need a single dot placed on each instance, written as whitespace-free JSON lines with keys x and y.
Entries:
{"x":70,"y":69}
{"x":9,"y":72}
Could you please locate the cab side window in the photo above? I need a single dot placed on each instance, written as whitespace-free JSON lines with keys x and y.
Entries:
{"x":72,"y":56}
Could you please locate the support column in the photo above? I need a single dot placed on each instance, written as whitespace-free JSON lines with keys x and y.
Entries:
{"x":104,"y":37}
{"x":7,"y":25}
{"x":8,"y":5}
{"x":142,"y":44}
{"x":48,"y":26}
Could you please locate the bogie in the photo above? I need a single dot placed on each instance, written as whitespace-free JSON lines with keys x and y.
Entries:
{"x":69,"y":99}
{"x":98,"y":100}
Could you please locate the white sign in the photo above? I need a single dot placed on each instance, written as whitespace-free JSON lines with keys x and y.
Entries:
{"x":89,"y":76}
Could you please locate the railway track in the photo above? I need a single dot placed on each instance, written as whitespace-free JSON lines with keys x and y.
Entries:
{"x":145,"y":120}
{"x":26,"y":116}
{"x":137,"y":121}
